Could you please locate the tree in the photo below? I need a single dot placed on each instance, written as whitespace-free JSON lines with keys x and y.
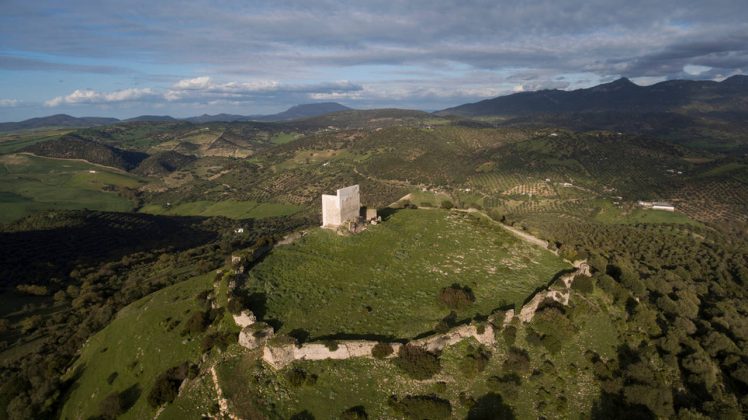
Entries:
{"x":447,"y":205}
{"x":417,"y":362}
{"x":457,"y":297}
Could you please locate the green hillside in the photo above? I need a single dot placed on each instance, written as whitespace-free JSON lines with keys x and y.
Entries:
{"x":29,"y":184}
{"x":139,"y":344}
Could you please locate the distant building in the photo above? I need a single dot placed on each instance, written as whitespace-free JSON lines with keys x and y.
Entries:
{"x":657,"y":205}
{"x":340,"y":208}
{"x":663,"y":206}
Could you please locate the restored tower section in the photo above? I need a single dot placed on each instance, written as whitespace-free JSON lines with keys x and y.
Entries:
{"x":341,"y":207}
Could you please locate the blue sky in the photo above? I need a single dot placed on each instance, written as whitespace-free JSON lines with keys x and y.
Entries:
{"x":182,"y":58}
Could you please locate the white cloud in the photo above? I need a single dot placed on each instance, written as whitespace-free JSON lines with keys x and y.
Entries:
{"x":8,"y":103}
{"x":695,"y":70}
{"x":89,"y":96}
{"x":204,"y":89}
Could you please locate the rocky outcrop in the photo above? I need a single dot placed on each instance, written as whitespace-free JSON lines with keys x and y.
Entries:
{"x":245,"y":318}
{"x":255,"y":335}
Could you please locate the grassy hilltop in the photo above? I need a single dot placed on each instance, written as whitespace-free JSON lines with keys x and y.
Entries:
{"x":386,"y":280}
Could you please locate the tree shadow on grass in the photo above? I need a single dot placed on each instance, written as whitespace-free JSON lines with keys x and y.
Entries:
{"x":130,"y":396}
{"x":491,"y":407}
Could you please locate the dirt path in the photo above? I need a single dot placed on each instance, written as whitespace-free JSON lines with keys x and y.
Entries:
{"x":111,"y":168}
{"x":223,"y":404}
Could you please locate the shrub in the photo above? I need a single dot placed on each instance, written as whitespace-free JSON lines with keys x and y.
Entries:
{"x":553,"y":328}
{"x":426,"y":204}
{"x":235,"y":306}
{"x":475,"y":361}
{"x":32,"y":289}
{"x":381,"y":350}
{"x":446,"y":323}
{"x":419,"y":407}
{"x":507,"y":385}
{"x":457,"y":297}
{"x":332,"y":345}
{"x":298,"y":377}
{"x":302,"y":415}
{"x":197,"y":323}
{"x":446,"y":204}
{"x":517,"y":360}
{"x":510,"y":334}
{"x":583,"y":284}
{"x":111,"y":378}
{"x":354,"y":413}
{"x":167,"y":384}
{"x":417,"y":362}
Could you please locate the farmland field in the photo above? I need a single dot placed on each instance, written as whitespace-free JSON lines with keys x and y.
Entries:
{"x":232,"y":209}
{"x":31,"y":183}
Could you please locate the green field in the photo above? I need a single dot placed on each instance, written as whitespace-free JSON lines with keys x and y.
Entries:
{"x":232,"y":209}
{"x":12,"y":142}
{"x":29,"y":184}
{"x":137,"y":346}
{"x":386,"y":280}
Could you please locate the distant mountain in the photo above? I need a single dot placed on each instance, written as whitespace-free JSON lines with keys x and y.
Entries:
{"x":301,"y":111}
{"x":151,"y":118}
{"x":58,"y":120}
{"x":622,"y":95}
{"x":205,"y":118}
{"x":62,"y":120}
{"x":74,"y":147}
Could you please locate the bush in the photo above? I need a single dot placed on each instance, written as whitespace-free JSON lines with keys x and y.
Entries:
{"x":419,"y":407}
{"x":475,"y":361}
{"x":426,"y":204}
{"x":583,"y":284}
{"x":298,"y":377}
{"x":417,"y":362}
{"x":332,"y":345}
{"x":517,"y":360}
{"x":302,"y":415}
{"x":446,"y":204}
{"x":381,"y":350}
{"x":507,"y":385}
{"x":510,"y":334}
{"x":167,"y":384}
{"x":457,"y":297}
{"x":354,"y":413}
{"x":197,"y":323}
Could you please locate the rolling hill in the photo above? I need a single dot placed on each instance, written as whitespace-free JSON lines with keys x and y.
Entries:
{"x":58,"y":120}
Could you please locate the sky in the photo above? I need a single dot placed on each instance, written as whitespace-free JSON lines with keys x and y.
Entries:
{"x":184,"y":58}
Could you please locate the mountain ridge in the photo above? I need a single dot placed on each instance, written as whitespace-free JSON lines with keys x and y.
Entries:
{"x":619,"y":95}
{"x":300,"y":111}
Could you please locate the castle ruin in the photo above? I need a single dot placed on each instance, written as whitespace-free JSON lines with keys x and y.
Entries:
{"x":340,"y":208}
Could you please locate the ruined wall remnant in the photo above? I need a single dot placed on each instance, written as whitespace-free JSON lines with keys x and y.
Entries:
{"x":342,"y":207}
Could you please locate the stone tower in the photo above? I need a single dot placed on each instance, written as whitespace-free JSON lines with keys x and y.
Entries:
{"x":341,"y":207}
